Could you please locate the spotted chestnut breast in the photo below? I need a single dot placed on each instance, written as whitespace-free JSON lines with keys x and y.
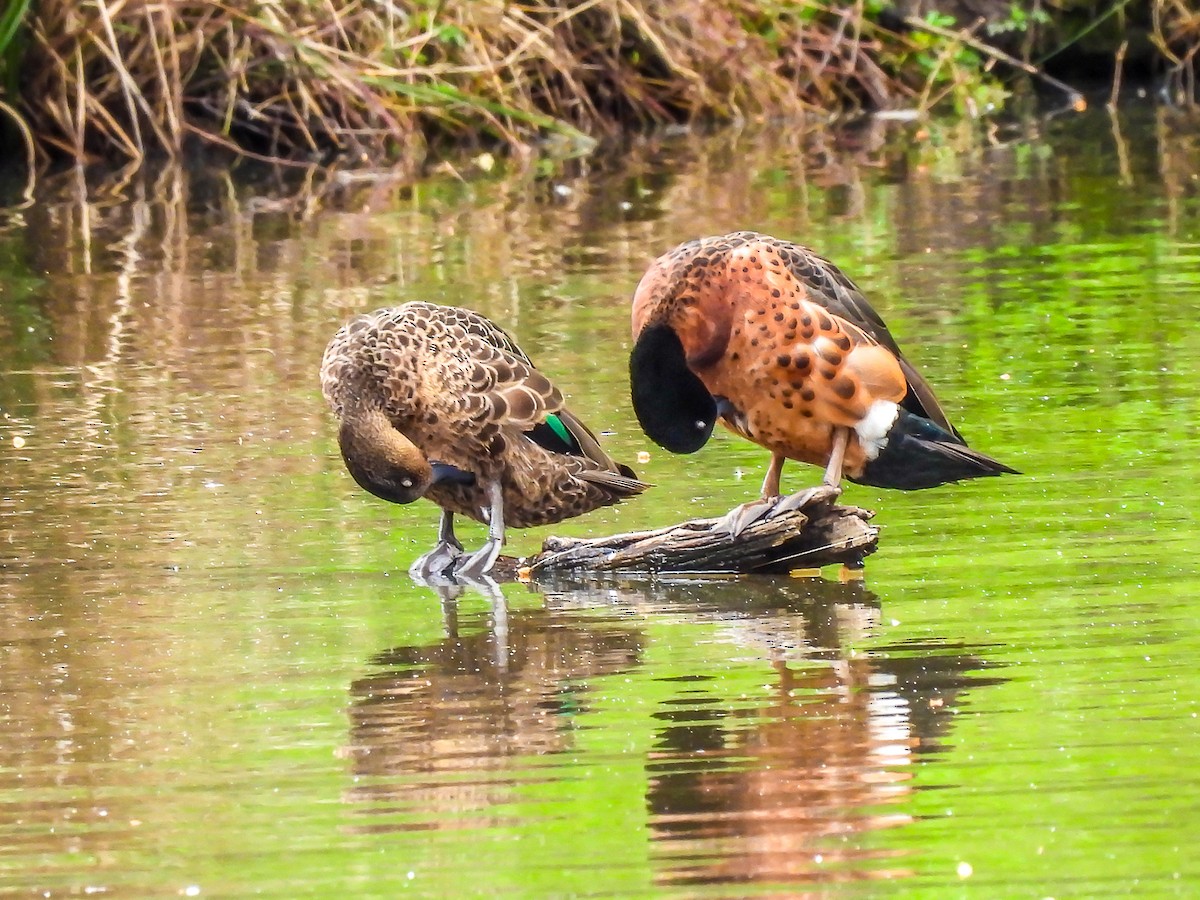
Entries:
{"x":782,"y":348}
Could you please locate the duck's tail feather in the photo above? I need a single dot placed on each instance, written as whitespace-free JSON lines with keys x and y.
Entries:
{"x":564,"y":433}
{"x":622,"y":485}
{"x":920,"y":454}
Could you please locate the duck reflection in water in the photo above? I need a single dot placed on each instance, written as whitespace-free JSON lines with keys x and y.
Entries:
{"x":768,"y":789}
{"x":778,"y":797}
{"x":476,"y":703}
{"x":774,"y":792}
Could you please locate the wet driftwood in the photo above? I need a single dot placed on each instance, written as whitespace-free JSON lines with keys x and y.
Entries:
{"x":811,"y":532}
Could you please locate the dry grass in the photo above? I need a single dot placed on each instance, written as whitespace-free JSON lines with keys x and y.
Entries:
{"x":1176,"y":33}
{"x":379,"y":81}
{"x":382,"y":81}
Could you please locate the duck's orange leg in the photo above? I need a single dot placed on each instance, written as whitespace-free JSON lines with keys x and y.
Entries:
{"x":770,"y":487}
{"x":837,"y":455}
{"x":741,"y":517}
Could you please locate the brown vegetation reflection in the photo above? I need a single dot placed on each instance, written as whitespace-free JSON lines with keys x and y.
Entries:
{"x":135,"y":267}
{"x":738,"y":792}
{"x":141,"y":270}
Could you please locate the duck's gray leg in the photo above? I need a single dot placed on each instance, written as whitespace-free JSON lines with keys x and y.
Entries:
{"x":481,"y":561}
{"x":444,"y":555}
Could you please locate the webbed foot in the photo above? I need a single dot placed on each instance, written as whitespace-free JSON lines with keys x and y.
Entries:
{"x":742,"y":517}
{"x":479,"y":563}
{"x":441,"y":560}
{"x":821,"y":493}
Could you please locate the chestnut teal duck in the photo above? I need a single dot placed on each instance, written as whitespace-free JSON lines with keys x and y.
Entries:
{"x":778,"y":345}
{"x":439,"y":402}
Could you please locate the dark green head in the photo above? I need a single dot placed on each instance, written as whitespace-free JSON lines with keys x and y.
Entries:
{"x":672,"y":405}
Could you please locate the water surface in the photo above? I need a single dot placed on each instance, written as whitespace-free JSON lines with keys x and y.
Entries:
{"x":217,"y":679}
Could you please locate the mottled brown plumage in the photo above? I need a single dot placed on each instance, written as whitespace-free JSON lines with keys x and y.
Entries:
{"x":787,"y":352}
{"x":439,"y":402}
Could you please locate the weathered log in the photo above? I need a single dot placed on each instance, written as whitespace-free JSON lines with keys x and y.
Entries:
{"x":804,"y":531}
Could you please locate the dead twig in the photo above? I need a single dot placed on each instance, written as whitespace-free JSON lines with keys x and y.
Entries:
{"x":30,"y":152}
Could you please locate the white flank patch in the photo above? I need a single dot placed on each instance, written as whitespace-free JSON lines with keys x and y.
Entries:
{"x":873,"y":428}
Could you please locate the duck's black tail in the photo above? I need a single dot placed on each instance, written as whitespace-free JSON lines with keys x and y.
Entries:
{"x":919,"y":454}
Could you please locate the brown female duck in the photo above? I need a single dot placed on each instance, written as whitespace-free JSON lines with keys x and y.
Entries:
{"x":784,"y":349}
{"x":438,"y":402}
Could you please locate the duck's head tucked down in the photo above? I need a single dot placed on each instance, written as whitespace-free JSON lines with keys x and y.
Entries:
{"x":381,"y":459}
{"x":778,"y":345}
{"x":673,"y":406}
{"x":439,"y":402}
{"x":682,"y":320}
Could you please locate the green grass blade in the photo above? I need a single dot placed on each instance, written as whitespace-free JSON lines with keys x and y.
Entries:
{"x":10,"y":21}
{"x":446,"y":95}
